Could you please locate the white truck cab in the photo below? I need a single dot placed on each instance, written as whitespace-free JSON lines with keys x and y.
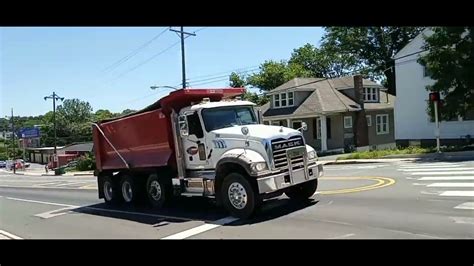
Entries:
{"x":227,"y":154}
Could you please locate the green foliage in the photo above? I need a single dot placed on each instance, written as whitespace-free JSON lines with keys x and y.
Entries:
{"x":370,"y":47}
{"x":381,"y":153}
{"x":85,"y":163}
{"x":102,"y":114}
{"x":450,"y":62}
{"x":272,"y":74}
{"x":236,"y":80}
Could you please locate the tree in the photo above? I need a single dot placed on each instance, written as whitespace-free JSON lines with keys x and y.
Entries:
{"x":236,"y":80}
{"x":450,"y":62}
{"x":102,"y":114}
{"x":324,"y":62}
{"x":75,"y":111}
{"x":127,"y":111}
{"x":272,"y":74}
{"x":371,"y":47}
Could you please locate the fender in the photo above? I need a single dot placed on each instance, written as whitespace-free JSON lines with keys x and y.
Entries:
{"x":242,"y":157}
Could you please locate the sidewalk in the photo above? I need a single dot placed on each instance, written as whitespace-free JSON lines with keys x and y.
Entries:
{"x":459,"y":155}
{"x":50,"y":173}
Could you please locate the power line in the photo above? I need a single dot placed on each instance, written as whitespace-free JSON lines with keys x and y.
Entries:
{"x":226,"y":72}
{"x":134,"y":52}
{"x":147,"y":60}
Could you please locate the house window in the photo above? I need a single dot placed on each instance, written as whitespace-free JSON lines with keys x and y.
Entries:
{"x":347,"y":121}
{"x":371,"y":94}
{"x":285,"y":99}
{"x":276,"y":100}
{"x":296,"y":124}
{"x":277,"y":123}
{"x":369,"y":120}
{"x":381,"y":122}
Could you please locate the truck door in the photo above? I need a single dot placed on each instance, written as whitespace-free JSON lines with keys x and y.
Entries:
{"x":195,"y":150}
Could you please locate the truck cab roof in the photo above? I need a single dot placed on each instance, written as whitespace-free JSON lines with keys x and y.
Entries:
{"x":203,"y":105}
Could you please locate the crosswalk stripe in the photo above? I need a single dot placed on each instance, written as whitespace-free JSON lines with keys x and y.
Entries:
{"x":451,"y":185}
{"x":458,"y":193}
{"x":427,"y":164}
{"x":444,"y":173}
{"x":439,"y":178}
{"x":466,"y":206}
{"x":434,"y":167}
{"x":438,"y":169}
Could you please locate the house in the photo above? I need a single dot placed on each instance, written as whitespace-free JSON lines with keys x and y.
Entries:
{"x":412,"y":123}
{"x":340,"y":113}
{"x":67,"y":153}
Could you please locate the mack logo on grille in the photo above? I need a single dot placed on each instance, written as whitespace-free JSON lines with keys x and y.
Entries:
{"x":285,"y":145}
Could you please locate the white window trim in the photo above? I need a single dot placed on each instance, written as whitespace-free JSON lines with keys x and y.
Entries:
{"x":275,"y":123}
{"x":295,"y":121}
{"x":381,"y":132}
{"x":369,"y":120}
{"x":286,"y":99}
{"x":318,"y":128}
{"x":373,"y":92}
{"x":345,"y":125}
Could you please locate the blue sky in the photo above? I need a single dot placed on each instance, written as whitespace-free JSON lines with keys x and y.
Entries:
{"x":36,"y":61}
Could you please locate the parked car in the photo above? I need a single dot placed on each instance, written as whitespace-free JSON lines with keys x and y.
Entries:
{"x":3,"y":164}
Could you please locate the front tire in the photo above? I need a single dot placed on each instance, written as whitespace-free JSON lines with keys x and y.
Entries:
{"x":239,"y":196}
{"x":302,"y":191}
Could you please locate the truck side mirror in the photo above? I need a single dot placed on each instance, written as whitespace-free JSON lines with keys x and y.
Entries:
{"x":183,"y":126}
{"x":304,"y":126}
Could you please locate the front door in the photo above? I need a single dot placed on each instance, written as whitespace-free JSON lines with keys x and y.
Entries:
{"x":195,"y":152}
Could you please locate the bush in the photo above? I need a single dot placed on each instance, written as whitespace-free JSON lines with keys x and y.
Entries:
{"x":85,"y":163}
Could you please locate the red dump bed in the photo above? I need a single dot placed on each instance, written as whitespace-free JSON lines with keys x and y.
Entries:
{"x":144,"y":138}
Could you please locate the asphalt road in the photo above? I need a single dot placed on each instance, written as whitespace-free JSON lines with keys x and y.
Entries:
{"x":383,"y":200}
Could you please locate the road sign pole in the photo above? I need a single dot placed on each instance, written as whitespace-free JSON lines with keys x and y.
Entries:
{"x":435,"y":104}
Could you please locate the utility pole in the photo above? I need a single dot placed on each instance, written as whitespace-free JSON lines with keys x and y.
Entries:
{"x":13,"y":135}
{"x":183,"y":63}
{"x":55,"y":97}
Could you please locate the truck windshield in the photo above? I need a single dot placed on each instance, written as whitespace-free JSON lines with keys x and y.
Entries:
{"x":221,"y":117}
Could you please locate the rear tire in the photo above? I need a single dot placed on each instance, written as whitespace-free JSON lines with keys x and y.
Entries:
{"x":158,"y":190}
{"x":129,"y":189}
{"x":302,"y":191}
{"x":112,"y":194}
{"x":239,"y":196}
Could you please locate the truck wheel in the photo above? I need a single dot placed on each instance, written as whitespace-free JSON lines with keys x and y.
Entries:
{"x":111,"y":190}
{"x":239,"y":196}
{"x":302,"y":191}
{"x":157,"y":190}
{"x":129,"y":189}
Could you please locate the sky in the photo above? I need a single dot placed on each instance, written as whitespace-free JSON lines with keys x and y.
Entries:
{"x":81,"y":62}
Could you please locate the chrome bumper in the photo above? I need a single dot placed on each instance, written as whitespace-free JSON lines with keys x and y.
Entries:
{"x":276,"y":182}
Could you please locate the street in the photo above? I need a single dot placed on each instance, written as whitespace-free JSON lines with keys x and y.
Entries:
{"x":395,"y":200}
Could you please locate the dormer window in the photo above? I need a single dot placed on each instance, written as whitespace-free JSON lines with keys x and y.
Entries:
{"x":283,"y":100}
{"x":371,"y":94}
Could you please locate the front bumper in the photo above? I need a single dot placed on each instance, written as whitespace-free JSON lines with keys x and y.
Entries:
{"x":286,"y":179}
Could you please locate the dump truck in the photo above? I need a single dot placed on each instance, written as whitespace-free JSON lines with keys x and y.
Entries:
{"x":202,"y":142}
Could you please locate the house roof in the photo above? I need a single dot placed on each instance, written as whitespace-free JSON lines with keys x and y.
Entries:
{"x":310,"y":84}
{"x":414,"y":45}
{"x":87,"y":146}
{"x":326,"y":98}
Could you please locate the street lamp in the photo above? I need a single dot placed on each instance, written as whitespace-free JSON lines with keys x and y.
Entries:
{"x":158,"y":87}
{"x":55,"y":97}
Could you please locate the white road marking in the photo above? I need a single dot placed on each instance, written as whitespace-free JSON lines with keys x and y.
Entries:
{"x":343,"y":236}
{"x":438,"y":169}
{"x":429,"y":166}
{"x":466,"y":206}
{"x":48,"y":183}
{"x":444,"y":173}
{"x":202,"y":228}
{"x":463,"y":220}
{"x":43,"y":202}
{"x":71,"y":183}
{"x":458,"y":193}
{"x":451,"y":185}
{"x":9,"y":235}
{"x":73,"y":207}
{"x":54,"y":213}
{"x":40,"y":187}
{"x":434,"y":178}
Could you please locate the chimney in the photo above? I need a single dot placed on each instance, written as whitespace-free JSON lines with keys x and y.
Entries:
{"x":361,"y":131}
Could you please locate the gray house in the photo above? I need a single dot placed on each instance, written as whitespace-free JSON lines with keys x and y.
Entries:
{"x":340,"y":113}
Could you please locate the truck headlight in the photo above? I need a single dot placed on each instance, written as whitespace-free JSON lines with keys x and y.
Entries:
{"x":258,"y":167}
{"x":312,"y":155}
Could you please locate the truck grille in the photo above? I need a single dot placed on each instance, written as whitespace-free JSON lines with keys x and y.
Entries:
{"x":279,"y":147}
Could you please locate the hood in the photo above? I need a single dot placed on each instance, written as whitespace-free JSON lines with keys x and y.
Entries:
{"x":257,"y":132}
